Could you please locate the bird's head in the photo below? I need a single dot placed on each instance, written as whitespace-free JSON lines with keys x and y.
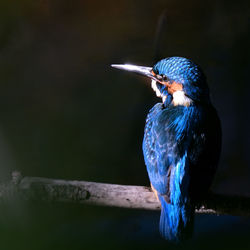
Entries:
{"x":177,"y":80}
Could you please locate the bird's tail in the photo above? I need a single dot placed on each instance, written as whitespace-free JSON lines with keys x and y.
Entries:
{"x":176,"y":222}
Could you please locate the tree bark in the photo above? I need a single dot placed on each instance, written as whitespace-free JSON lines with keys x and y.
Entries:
{"x":137,"y":197}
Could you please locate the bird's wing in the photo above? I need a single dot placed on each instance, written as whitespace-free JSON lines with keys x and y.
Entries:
{"x":167,"y":165}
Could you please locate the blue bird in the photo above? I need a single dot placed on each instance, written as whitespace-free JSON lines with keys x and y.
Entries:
{"x":182,"y":142}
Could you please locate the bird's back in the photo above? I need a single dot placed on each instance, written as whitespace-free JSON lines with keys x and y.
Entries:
{"x":181,"y":149}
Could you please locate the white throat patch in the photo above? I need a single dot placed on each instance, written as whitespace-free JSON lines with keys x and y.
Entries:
{"x":179,"y":98}
{"x":154,"y":87}
{"x":157,"y":91}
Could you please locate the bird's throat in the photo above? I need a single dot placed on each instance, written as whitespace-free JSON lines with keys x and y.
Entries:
{"x":179,"y":98}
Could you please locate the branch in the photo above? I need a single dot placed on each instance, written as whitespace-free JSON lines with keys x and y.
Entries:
{"x":138,"y":197}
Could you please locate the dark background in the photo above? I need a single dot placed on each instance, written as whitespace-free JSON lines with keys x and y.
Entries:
{"x":65,"y":113}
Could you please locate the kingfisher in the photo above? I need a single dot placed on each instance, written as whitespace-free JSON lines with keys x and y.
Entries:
{"x":182,"y":142}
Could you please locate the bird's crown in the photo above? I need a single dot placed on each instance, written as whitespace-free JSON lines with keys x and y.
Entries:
{"x":179,"y":69}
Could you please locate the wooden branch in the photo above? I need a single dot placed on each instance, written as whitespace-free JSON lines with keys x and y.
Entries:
{"x":138,"y":197}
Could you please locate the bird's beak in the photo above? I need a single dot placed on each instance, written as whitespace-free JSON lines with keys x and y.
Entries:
{"x":140,"y":70}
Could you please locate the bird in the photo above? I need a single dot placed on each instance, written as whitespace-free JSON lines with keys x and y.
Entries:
{"x":182,"y":142}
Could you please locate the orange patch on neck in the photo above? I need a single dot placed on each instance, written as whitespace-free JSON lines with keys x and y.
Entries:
{"x":173,"y":87}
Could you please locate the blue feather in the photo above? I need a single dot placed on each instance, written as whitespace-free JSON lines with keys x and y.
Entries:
{"x":182,"y":141}
{"x":181,"y":148}
{"x":176,"y":221}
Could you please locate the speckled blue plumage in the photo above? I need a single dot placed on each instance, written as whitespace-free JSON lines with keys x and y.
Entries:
{"x":181,"y":148}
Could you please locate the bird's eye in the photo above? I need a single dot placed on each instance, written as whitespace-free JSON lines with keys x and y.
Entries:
{"x":164,"y":78}
{"x":161,"y":77}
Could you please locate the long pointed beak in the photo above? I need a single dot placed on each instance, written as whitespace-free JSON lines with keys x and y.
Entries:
{"x":140,"y":70}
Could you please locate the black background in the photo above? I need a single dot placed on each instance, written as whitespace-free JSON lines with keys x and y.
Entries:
{"x":65,"y":113}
